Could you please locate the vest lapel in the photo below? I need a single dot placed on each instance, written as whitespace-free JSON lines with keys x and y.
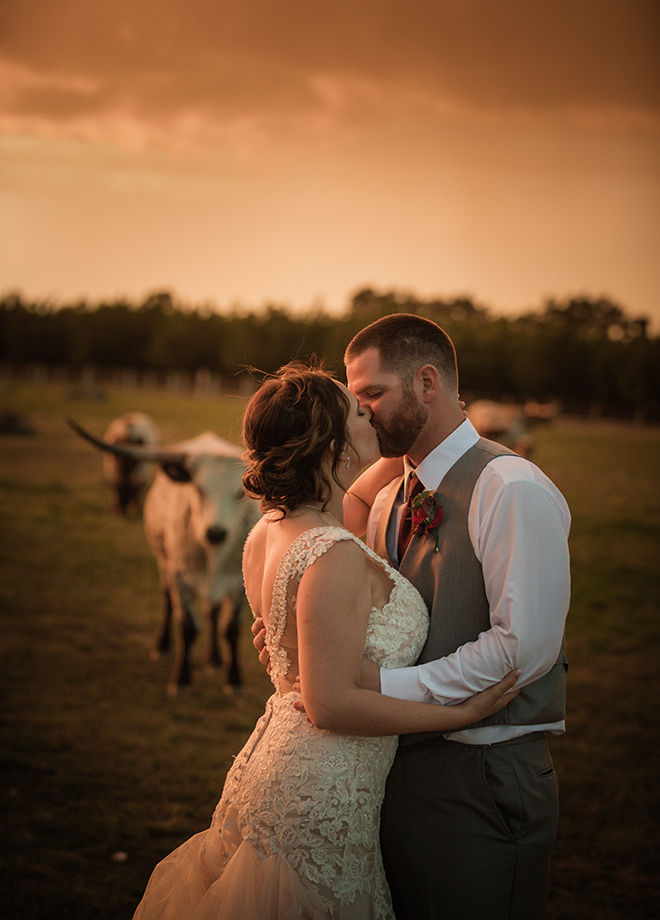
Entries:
{"x":380,"y":541}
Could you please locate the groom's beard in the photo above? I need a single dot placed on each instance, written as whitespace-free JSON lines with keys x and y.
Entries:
{"x":402,"y":430}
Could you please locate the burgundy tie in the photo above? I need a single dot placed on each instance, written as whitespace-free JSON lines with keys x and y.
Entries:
{"x":405,"y":527}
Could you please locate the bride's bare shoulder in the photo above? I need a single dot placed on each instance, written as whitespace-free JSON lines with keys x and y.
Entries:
{"x":269,"y":540}
{"x":255,"y":544}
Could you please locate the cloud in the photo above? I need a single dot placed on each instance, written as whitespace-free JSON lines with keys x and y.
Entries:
{"x":210,"y":72}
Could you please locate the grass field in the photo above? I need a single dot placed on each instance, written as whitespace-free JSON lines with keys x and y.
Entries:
{"x":102,"y":774}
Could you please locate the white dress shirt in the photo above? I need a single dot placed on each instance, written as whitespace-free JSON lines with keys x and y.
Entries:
{"x":518,"y":523}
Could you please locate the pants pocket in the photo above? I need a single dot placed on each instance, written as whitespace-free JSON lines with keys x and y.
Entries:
{"x":522,"y":786}
{"x":504,"y":791}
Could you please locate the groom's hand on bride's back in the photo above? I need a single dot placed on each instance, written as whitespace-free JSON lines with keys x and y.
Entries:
{"x":258,"y":629}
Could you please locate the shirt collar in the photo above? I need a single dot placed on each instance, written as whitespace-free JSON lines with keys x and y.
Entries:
{"x":431,"y":471}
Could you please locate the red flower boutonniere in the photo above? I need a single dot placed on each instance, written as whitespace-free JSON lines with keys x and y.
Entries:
{"x":426,"y":515}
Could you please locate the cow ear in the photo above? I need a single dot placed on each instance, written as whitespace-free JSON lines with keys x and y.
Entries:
{"x":176,"y":471}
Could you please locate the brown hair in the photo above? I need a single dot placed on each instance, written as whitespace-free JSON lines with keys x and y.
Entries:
{"x":405,"y":342}
{"x":291,"y":422}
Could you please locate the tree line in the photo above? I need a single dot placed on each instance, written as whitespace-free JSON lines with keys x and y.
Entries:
{"x":586,"y":353}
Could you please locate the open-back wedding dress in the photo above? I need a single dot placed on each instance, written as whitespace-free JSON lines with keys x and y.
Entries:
{"x":295,"y":834}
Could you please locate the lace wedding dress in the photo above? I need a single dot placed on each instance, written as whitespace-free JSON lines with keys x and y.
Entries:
{"x":295,"y":834}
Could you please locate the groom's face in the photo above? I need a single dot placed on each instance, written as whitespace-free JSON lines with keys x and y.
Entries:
{"x":396,"y":414}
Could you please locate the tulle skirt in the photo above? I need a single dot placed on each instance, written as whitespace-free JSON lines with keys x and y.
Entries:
{"x":184,"y":885}
{"x":295,"y":801}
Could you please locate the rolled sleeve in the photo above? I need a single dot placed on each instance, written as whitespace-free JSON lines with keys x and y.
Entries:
{"x":404,"y":684}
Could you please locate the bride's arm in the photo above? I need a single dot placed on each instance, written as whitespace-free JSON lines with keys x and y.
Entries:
{"x":333,"y":607}
{"x":362,"y":493}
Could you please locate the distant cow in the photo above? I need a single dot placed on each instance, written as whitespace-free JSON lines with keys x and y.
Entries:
{"x":510,"y":424}
{"x":126,"y":476}
{"x":196,"y":520}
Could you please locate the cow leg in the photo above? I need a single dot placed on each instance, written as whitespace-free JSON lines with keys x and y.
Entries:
{"x":163,"y":638}
{"x":187,"y":629}
{"x":230,"y":630}
{"x":232,"y":634}
{"x":125,"y":497}
{"x":213,"y":650}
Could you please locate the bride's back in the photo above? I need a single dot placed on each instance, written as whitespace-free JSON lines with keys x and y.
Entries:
{"x":264,"y":550}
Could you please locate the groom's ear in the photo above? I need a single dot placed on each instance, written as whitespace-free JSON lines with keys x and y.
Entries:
{"x":426,"y":382}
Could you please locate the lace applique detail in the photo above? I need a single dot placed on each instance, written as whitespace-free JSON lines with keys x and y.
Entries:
{"x":389,"y":641}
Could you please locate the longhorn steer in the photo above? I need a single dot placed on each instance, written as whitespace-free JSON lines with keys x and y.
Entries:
{"x":127,"y":478}
{"x":509,"y":423}
{"x":196,"y":520}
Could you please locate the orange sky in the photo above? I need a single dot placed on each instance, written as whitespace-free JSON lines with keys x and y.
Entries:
{"x":293,"y":152}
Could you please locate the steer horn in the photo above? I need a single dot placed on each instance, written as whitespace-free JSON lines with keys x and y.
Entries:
{"x":135,"y":453}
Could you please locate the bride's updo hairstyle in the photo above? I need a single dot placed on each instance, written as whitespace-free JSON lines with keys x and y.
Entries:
{"x":292,"y":423}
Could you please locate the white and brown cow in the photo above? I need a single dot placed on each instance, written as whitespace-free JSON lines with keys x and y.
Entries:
{"x":510,"y":424}
{"x":196,"y":520}
{"x":127,"y":477}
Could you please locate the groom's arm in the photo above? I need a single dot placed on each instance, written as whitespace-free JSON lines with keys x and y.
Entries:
{"x":523,"y":549}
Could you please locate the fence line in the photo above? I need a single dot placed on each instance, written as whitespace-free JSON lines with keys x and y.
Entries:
{"x":89,"y":381}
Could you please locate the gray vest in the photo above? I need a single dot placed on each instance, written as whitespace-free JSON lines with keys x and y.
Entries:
{"x":452,"y":584}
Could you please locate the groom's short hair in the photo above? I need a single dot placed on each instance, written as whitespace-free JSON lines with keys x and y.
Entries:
{"x":405,"y":342}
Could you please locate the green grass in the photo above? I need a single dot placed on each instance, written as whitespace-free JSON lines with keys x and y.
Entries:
{"x":97,"y":761}
{"x":606,"y":857}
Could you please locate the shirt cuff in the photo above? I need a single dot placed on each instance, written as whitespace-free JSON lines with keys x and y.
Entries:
{"x":403,"y":684}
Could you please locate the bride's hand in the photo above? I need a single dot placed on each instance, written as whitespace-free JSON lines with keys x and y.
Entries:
{"x":490,"y":700}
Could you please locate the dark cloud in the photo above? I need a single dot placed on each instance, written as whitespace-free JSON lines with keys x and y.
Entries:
{"x":211,"y":66}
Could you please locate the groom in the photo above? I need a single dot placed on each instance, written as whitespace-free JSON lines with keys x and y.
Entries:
{"x":469,"y":818}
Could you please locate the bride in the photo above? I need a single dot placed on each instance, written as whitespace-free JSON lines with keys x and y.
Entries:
{"x":295,"y":834}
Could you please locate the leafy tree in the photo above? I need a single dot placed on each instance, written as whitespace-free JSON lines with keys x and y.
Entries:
{"x":581,"y":351}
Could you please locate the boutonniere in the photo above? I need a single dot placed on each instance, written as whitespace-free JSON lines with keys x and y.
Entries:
{"x":426,"y":515}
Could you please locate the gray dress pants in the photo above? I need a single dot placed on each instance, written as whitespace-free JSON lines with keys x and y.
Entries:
{"x":467,"y":830}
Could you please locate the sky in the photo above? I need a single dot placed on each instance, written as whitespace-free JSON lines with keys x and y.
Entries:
{"x":291,"y":153}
